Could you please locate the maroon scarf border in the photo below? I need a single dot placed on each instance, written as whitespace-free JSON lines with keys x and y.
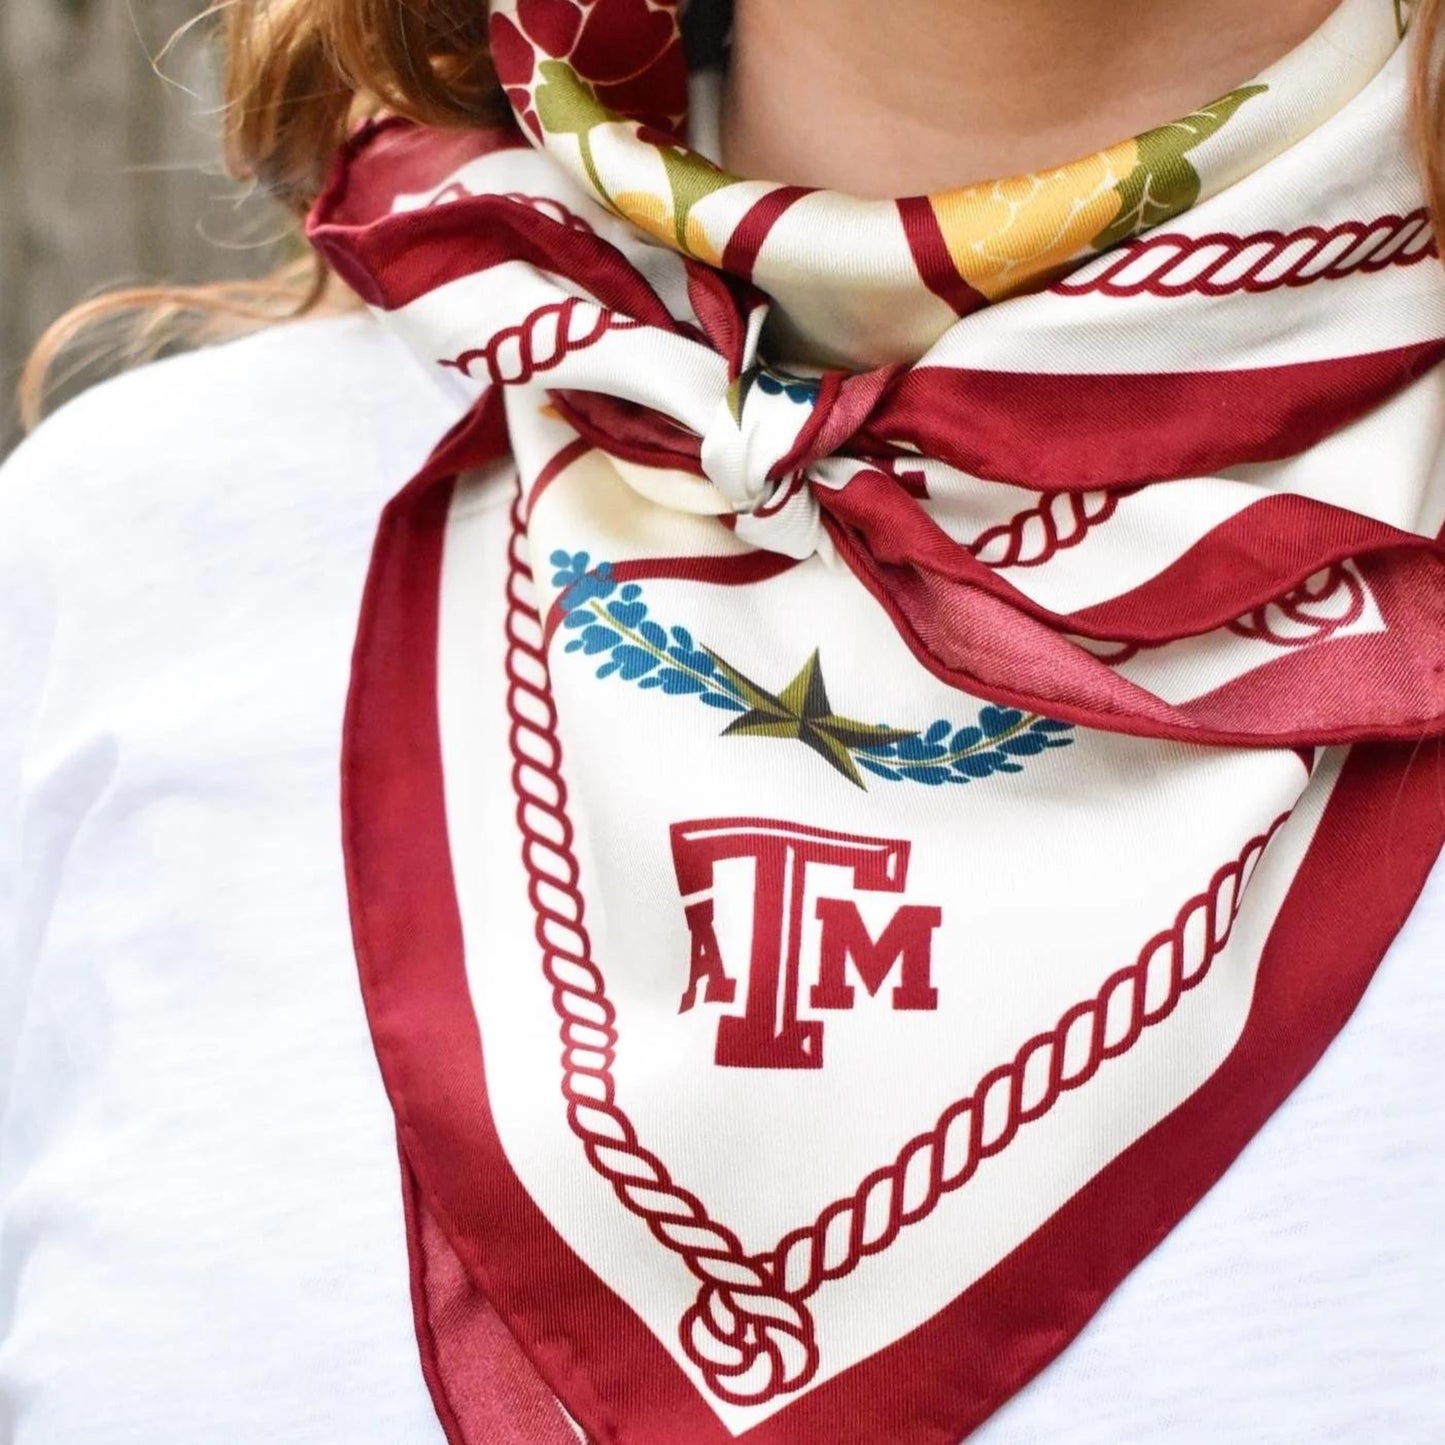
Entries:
{"x":1381,"y":832}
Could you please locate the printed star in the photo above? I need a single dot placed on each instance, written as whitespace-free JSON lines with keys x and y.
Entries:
{"x":802,"y":711}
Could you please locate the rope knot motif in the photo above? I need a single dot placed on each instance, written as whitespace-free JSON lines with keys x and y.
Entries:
{"x":749,"y":1328}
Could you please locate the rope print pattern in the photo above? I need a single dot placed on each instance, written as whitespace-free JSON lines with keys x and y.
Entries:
{"x":1058,"y":521}
{"x":519,"y":354}
{"x":1312,"y":613}
{"x":749,"y":1332}
{"x":1296,"y":610}
{"x":547,"y":206}
{"x":1214,"y":265}
{"x":1224,"y":265}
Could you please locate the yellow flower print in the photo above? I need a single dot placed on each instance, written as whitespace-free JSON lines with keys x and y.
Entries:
{"x":1006,"y":235}
{"x":655,"y":215}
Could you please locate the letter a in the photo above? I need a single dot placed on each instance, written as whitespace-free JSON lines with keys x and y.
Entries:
{"x":708,"y":979}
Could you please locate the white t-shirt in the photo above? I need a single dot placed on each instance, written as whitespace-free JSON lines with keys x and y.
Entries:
{"x":200,"y":1219}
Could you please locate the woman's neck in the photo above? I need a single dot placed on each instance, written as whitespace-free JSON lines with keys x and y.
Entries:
{"x":914,"y":96}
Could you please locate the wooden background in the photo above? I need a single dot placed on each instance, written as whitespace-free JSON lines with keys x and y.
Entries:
{"x":109,"y":171}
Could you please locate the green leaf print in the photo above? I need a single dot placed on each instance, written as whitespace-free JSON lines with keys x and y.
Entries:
{"x":691,"y":179}
{"x":566,"y":106}
{"x":1164,"y":182}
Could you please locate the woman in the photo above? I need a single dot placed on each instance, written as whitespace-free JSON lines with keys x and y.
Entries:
{"x":884,"y":740}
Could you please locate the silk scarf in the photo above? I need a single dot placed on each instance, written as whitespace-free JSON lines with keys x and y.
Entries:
{"x":889,"y":736}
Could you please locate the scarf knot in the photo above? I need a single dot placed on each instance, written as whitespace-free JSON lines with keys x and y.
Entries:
{"x":1057,"y":540}
{"x":757,"y":433}
{"x":758,"y":451}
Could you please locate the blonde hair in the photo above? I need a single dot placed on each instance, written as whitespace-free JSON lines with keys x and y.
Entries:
{"x":299,"y":74}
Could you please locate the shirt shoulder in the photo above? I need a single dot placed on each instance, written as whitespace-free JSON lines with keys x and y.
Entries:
{"x":175,"y":544}
{"x":255,"y":425}
{"x":195,"y":478}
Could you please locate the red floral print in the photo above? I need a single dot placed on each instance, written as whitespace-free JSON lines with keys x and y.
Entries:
{"x":552,"y":24}
{"x":620,"y":39}
{"x":628,"y":51}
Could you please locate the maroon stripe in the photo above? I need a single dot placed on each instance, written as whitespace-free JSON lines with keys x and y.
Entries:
{"x":402,"y":158}
{"x":633,"y":433}
{"x":391,"y":262}
{"x":740,"y":254}
{"x":1253,"y":558}
{"x":1065,"y":432}
{"x":1248,"y":560}
{"x":1395,"y":674}
{"x":554,"y":468}
{"x":483,"y":1384}
{"x":720,"y":313}
{"x":737,"y":569}
{"x":392,"y":259}
{"x":931,"y":255}
{"x":979,"y":642}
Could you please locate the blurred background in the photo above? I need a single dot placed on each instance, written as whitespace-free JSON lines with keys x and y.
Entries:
{"x":109,"y":167}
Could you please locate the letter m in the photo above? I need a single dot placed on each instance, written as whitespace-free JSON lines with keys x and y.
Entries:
{"x":907,"y":943}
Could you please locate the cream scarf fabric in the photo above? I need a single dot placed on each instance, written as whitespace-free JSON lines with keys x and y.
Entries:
{"x":859,"y":800}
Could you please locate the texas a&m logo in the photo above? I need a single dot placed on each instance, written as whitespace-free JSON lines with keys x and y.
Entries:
{"x":769,"y":1032}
